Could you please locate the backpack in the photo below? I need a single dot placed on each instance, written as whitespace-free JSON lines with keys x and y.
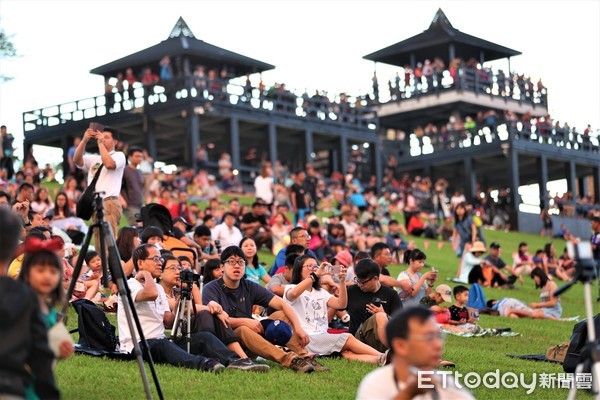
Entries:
{"x":476,"y":297}
{"x":578,"y":340}
{"x":95,"y":330}
{"x":155,"y":214}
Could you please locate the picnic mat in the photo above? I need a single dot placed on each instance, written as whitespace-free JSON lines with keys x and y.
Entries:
{"x":482,"y":333}
{"x":533,"y":357}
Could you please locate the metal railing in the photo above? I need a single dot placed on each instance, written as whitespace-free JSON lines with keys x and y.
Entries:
{"x":210,"y":93}
{"x":472,"y":80}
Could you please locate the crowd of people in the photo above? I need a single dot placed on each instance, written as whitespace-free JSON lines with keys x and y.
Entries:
{"x":328,"y":292}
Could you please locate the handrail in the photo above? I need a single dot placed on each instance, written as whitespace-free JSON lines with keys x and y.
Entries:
{"x":472,"y":80}
{"x":501,"y":131}
{"x":210,"y":92}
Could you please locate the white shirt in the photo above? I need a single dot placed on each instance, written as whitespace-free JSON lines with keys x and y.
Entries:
{"x":467,"y":264}
{"x":227,"y":237}
{"x":109,"y":181}
{"x":264,"y":188}
{"x":150,"y":313}
{"x":380,"y":384}
{"x":311,"y":309}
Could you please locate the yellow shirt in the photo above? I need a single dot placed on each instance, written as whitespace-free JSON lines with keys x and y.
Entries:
{"x":15,"y":267}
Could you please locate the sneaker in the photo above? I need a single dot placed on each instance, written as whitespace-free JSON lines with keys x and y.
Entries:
{"x":382,"y":360}
{"x":246,"y":364}
{"x":318,"y":367}
{"x":301,"y":365}
{"x":212,"y":365}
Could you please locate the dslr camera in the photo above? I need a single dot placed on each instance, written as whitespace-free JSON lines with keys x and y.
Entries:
{"x":189,"y":277}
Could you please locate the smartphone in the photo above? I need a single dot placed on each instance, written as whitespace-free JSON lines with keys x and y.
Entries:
{"x":96,"y":126}
{"x":335,"y":270}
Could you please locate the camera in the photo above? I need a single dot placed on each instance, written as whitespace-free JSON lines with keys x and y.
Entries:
{"x":218,"y":246}
{"x":189,"y":277}
{"x":378,"y":302}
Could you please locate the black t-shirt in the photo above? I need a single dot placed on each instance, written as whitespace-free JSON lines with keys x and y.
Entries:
{"x":358,"y":300}
{"x":458,"y":313}
{"x":384,"y":271}
{"x":249,"y":218}
{"x":178,"y":233}
{"x":237,"y":302}
{"x":300,"y":194}
{"x":496,"y":262}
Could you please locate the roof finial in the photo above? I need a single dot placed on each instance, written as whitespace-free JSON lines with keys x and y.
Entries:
{"x":440,"y":19}
{"x":181,"y":29}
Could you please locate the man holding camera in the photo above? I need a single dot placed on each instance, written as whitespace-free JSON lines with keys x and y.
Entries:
{"x":111,"y":176}
{"x":370,"y":304}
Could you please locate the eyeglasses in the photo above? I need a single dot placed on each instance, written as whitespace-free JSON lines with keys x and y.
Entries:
{"x":174,"y":268}
{"x":363,"y":283}
{"x":157,"y":259}
{"x":428,"y":337}
{"x":312,"y":267}
{"x":233,"y":263}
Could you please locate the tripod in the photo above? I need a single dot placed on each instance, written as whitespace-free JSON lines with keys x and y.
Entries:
{"x":585,"y":272}
{"x":184,"y":304}
{"x":113,"y":264}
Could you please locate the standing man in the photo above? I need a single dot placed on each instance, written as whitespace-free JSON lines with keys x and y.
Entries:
{"x":132,"y":191}
{"x":111,"y":176}
{"x":595,"y":240}
{"x":6,"y":153}
{"x":299,"y":197}
{"x":417,"y":345}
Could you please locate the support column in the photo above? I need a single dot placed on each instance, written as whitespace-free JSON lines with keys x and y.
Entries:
{"x":344,"y":154}
{"x":272,"y":143}
{"x":194,"y":138}
{"x":235,"y":142}
{"x":515,"y":179}
{"x":470,"y":181}
{"x":64,"y":144}
{"x":543,"y":180}
{"x":150,"y":130}
{"x":309,"y":148}
{"x":596,"y":182}
{"x":378,"y":155}
{"x":570,"y":172}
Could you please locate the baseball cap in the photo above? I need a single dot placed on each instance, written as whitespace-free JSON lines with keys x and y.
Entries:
{"x":445,"y":292}
{"x":344,"y":257}
{"x":188,"y":226}
{"x":277,"y":331}
{"x":495,"y":245}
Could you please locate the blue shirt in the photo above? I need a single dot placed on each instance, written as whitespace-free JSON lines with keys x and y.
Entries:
{"x":280,"y":260}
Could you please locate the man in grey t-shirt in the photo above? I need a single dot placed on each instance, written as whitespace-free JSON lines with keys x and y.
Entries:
{"x":278,"y":281}
{"x":132,"y":190}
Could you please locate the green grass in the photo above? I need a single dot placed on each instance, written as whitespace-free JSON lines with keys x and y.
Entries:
{"x":90,"y":377}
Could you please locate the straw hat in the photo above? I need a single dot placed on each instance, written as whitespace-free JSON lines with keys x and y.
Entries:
{"x":478,"y":246}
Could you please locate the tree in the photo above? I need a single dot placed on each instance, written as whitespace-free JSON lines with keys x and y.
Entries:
{"x":7,"y":50}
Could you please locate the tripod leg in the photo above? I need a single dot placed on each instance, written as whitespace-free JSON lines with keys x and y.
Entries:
{"x":177,"y":323}
{"x":189,"y":324}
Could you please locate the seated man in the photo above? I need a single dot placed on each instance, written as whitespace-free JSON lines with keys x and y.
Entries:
{"x":298,"y":236}
{"x":254,"y":224}
{"x":153,"y":311}
{"x":279,"y":281}
{"x":417,"y":344}
{"x":238,"y":296}
{"x":369,"y":305}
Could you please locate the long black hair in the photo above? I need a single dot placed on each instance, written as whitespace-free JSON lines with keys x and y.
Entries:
{"x":537,"y":271}
{"x":255,"y":258}
{"x":297,"y":271}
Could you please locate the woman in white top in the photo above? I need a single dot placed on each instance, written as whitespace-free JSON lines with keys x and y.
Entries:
{"x":310,"y":302}
{"x":42,"y":203}
{"x":473,"y":256}
{"x":413,"y":284}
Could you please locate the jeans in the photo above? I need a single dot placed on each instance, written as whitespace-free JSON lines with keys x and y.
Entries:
{"x":166,"y":352}
{"x":208,"y":345}
{"x":207,"y":322}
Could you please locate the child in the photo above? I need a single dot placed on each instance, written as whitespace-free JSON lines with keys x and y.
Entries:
{"x":42,"y":271}
{"x":459,"y":314}
{"x":434,"y":300}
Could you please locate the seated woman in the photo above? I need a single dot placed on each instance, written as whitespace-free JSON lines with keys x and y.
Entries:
{"x":212,"y":270}
{"x":310,"y":302}
{"x":472,"y":257}
{"x":413,"y":284}
{"x":522,"y":262}
{"x":254,"y":271}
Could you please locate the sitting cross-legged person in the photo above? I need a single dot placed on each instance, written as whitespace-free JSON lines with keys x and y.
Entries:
{"x":310,"y":302}
{"x":207,"y":352}
{"x":238,"y":296}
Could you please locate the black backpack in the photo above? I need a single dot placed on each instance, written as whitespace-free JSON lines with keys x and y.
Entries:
{"x":155,"y":214}
{"x":95,"y":330}
{"x":578,"y":340}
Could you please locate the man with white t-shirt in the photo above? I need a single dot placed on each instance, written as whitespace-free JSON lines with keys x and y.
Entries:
{"x":111,"y":175}
{"x":226,"y":232}
{"x":416,"y":345}
{"x":263,"y":185}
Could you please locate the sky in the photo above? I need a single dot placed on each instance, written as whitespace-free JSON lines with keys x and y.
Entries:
{"x":313,"y":44}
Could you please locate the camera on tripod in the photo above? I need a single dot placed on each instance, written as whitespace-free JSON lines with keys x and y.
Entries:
{"x":189,"y":277}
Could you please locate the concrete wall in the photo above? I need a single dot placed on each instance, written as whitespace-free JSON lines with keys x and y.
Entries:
{"x":532,"y":223}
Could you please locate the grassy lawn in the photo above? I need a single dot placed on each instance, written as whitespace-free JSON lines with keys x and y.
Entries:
{"x":95,"y":378}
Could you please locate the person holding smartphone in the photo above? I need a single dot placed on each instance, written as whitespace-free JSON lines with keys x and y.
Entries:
{"x":111,"y":175}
